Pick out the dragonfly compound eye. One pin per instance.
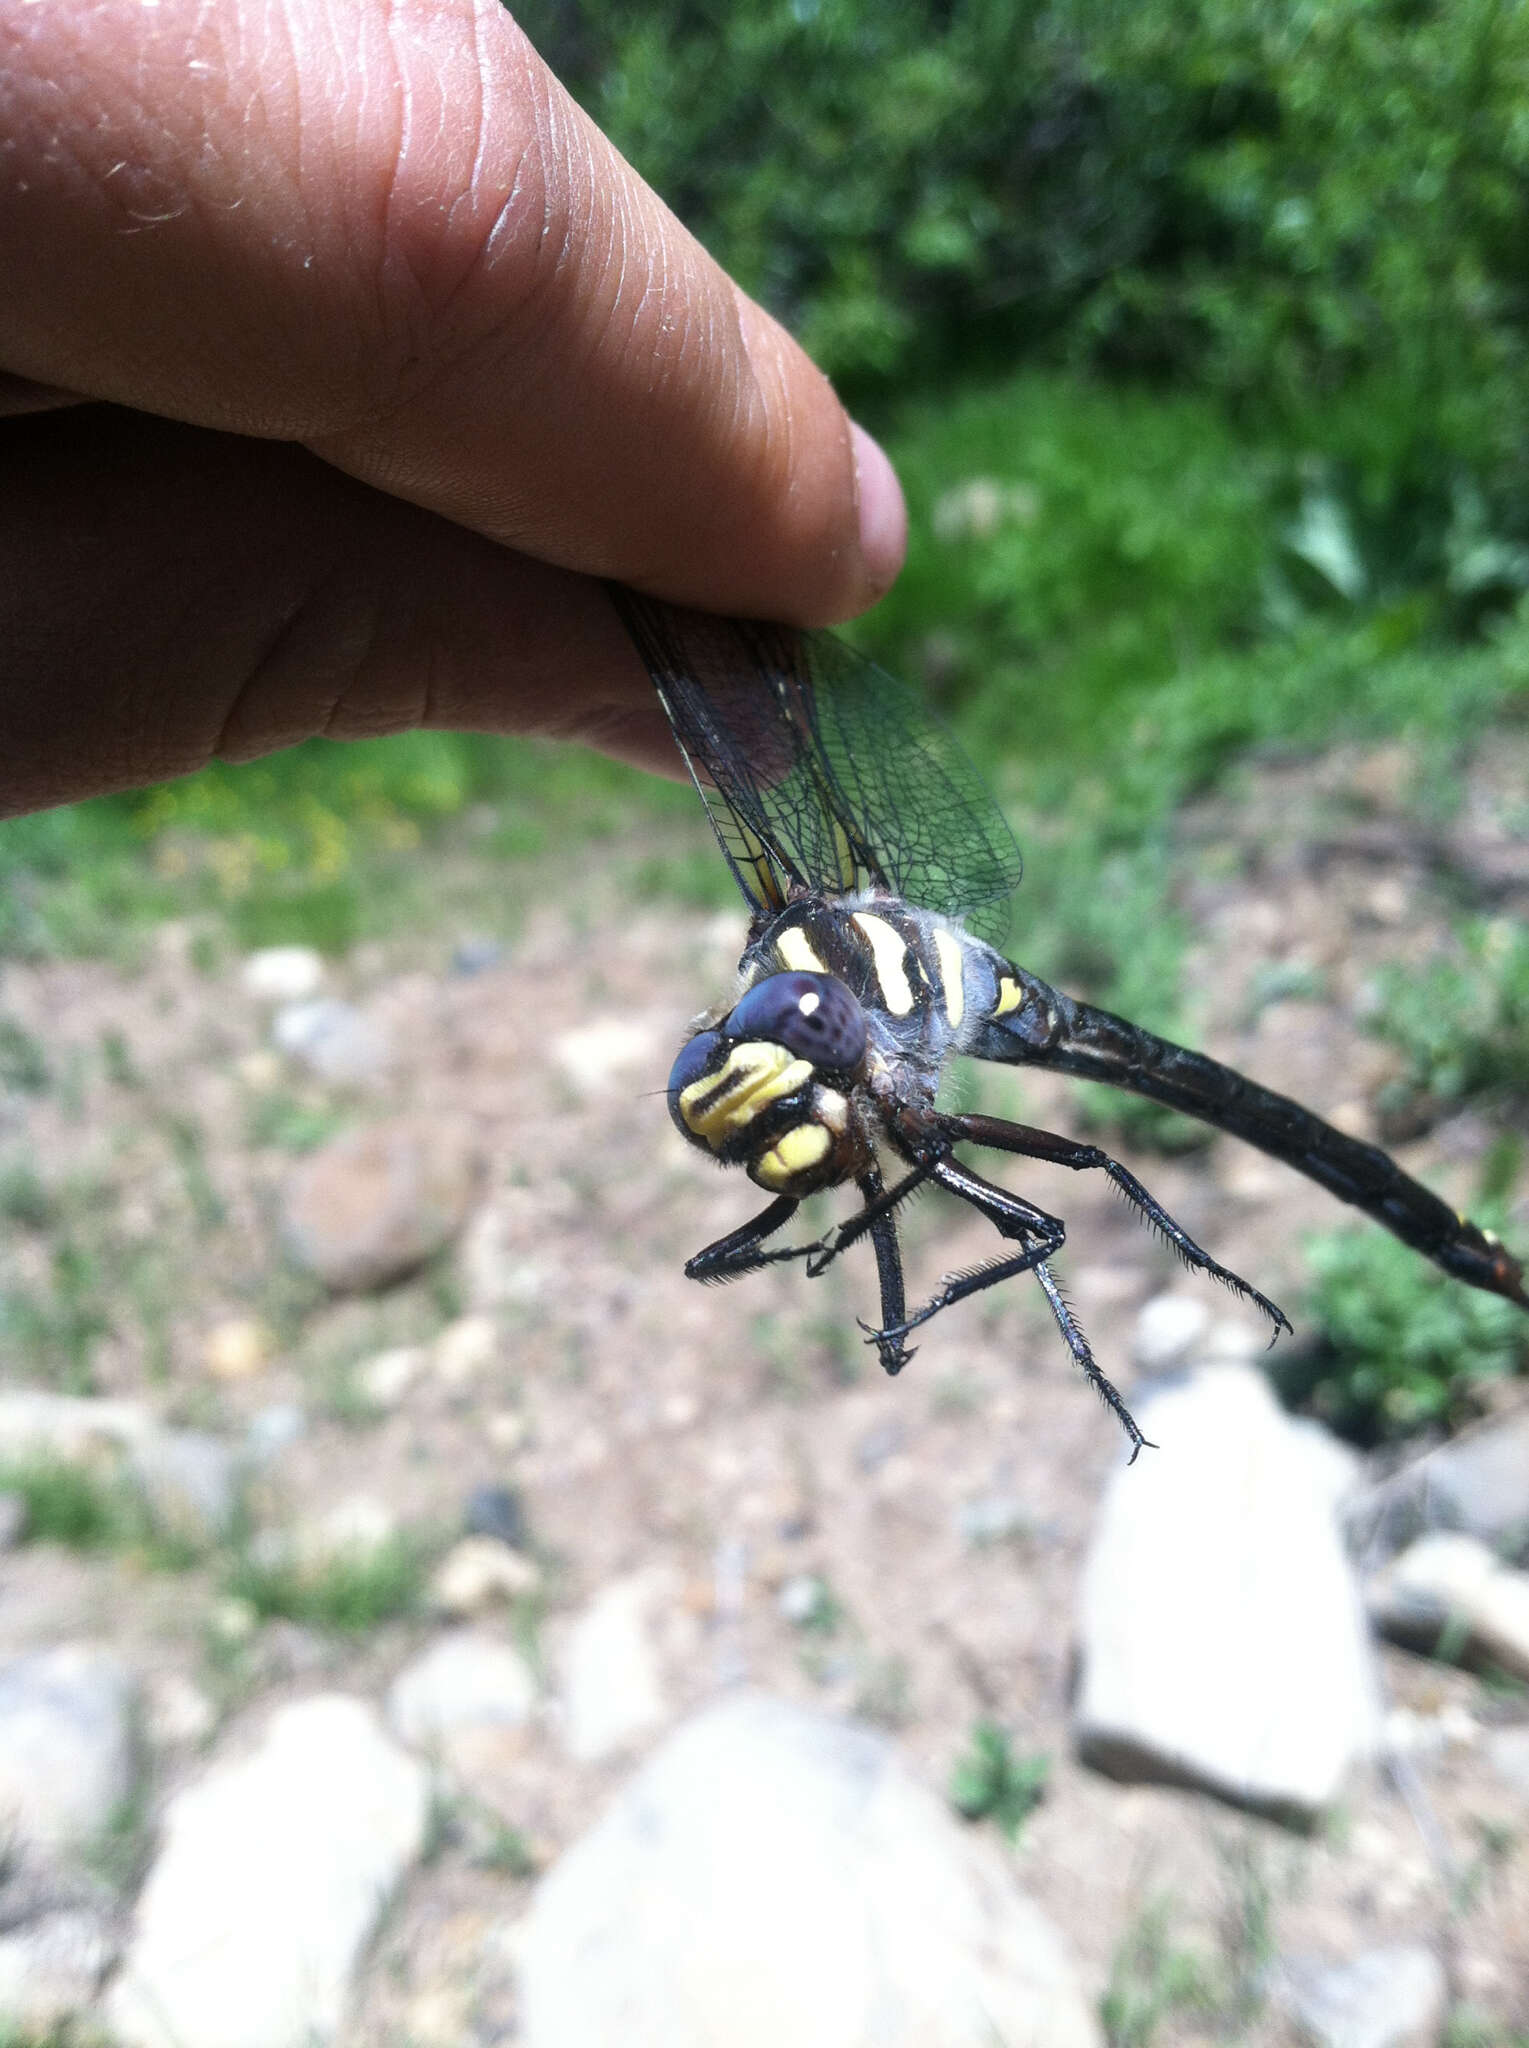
(811, 1015)
(695, 1057)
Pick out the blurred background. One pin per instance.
(344, 1341)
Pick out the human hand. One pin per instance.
(393, 358)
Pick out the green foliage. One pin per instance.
(352, 1591)
(1071, 544)
(287, 1122)
(119, 1854)
(1151, 1981)
(1313, 212)
(23, 1063)
(69, 1502)
(54, 1324)
(24, 1197)
(991, 1783)
(1463, 1021)
(87, 1507)
(1402, 1346)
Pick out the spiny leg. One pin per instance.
(1031, 1143)
(1077, 1344)
(880, 1201)
(1015, 1218)
(739, 1252)
(1012, 1216)
(879, 1221)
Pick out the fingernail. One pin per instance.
(883, 516)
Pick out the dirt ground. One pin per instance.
(730, 1440)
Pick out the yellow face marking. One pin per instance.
(794, 1153)
(798, 952)
(1010, 995)
(719, 1106)
(888, 951)
(948, 953)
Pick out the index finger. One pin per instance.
(389, 234)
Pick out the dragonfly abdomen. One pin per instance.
(1053, 1030)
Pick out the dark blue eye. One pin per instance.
(695, 1056)
(811, 1015)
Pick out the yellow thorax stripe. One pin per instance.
(888, 950)
(953, 975)
(798, 952)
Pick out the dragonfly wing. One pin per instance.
(818, 770)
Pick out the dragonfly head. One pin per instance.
(768, 1087)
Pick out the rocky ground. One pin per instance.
(540, 1502)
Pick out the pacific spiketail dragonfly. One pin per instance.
(873, 860)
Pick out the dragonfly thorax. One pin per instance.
(770, 1087)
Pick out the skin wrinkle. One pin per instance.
(621, 426)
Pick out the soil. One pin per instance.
(730, 1440)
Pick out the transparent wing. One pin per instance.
(820, 771)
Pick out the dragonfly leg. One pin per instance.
(1059, 1151)
(1077, 1344)
(1015, 1218)
(879, 1203)
(740, 1251)
(879, 1221)
(1012, 1216)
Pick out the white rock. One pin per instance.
(1334, 1468)
(271, 1876)
(387, 1377)
(273, 1430)
(66, 1753)
(335, 1041)
(464, 1349)
(1233, 1340)
(611, 1688)
(69, 1425)
(13, 1520)
(1167, 1329)
(355, 1527)
(282, 974)
(770, 1877)
(1508, 1754)
(465, 1681)
(481, 1572)
(50, 1968)
(1448, 1594)
(190, 1480)
(1478, 1483)
(176, 1713)
(1223, 1639)
(1388, 1998)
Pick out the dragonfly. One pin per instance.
(877, 870)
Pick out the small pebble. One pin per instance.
(282, 974)
(236, 1349)
(496, 1511)
(506, 1429)
(992, 1519)
(464, 1349)
(480, 1572)
(385, 1379)
(802, 1598)
(272, 1429)
(475, 956)
(176, 1712)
